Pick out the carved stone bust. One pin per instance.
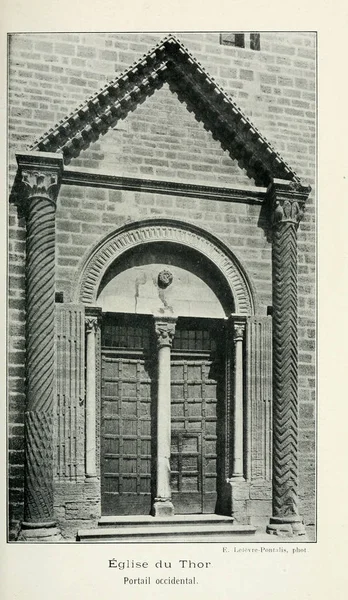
(165, 278)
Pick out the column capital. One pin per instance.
(238, 330)
(40, 175)
(287, 201)
(93, 316)
(165, 330)
(91, 323)
(237, 325)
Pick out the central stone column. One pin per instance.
(165, 330)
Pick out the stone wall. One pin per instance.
(51, 74)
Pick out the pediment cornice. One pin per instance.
(169, 61)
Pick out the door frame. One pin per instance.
(223, 462)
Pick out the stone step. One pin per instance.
(142, 520)
(169, 530)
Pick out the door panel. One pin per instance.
(194, 436)
(125, 436)
(186, 471)
(128, 415)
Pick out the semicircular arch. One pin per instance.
(134, 234)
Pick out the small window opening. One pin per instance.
(255, 41)
(241, 40)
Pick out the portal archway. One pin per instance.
(171, 231)
(169, 383)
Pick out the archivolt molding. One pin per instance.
(144, 232)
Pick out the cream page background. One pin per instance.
(81, 571)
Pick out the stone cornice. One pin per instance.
(91, 178)
(170, 61)
(40, 175)
(287, 201)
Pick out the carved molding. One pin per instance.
(165, 331)
(259, 397)
(70, 392)
(96, 178)
(169, 61)
(167, 231)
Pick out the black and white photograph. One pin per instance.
(174, 300)
(162, 287)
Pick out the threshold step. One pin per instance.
(170, 532)
(141, 520)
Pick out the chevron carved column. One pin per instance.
(287, 204)
(40, 175)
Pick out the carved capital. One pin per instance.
(165, 331)
(287, 201)
(238, 331)
(39, 176)
(40, 183)
(91, 323)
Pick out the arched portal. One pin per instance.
(169, 297)
(209, 250)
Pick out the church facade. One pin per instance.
(161, 286)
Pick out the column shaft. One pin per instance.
(40, 177)
(163, 424)
(162, 505)
(287, 200)
(91, 444)
(285, 417)
(40, 291)
(238, 418)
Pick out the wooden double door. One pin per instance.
(128, 414)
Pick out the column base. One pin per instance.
(40, 532)
(291, 526)
(91, 478)
(162, 507)
(240, 499)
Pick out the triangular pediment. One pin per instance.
(170, 61)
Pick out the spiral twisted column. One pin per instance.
(287, 200)
(40, 179)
